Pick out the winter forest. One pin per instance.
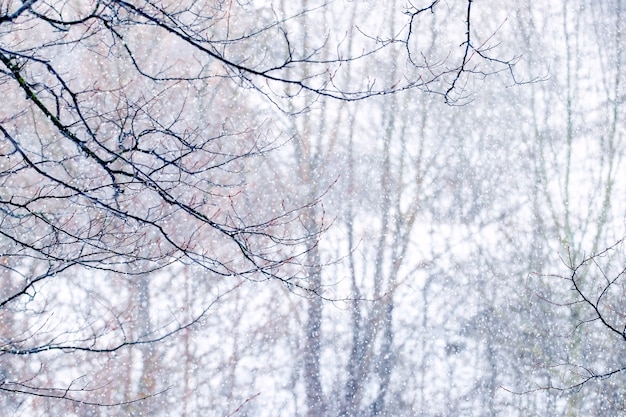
(312, 208)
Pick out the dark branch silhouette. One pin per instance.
(115, 160)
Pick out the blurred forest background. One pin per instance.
(273, 208)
